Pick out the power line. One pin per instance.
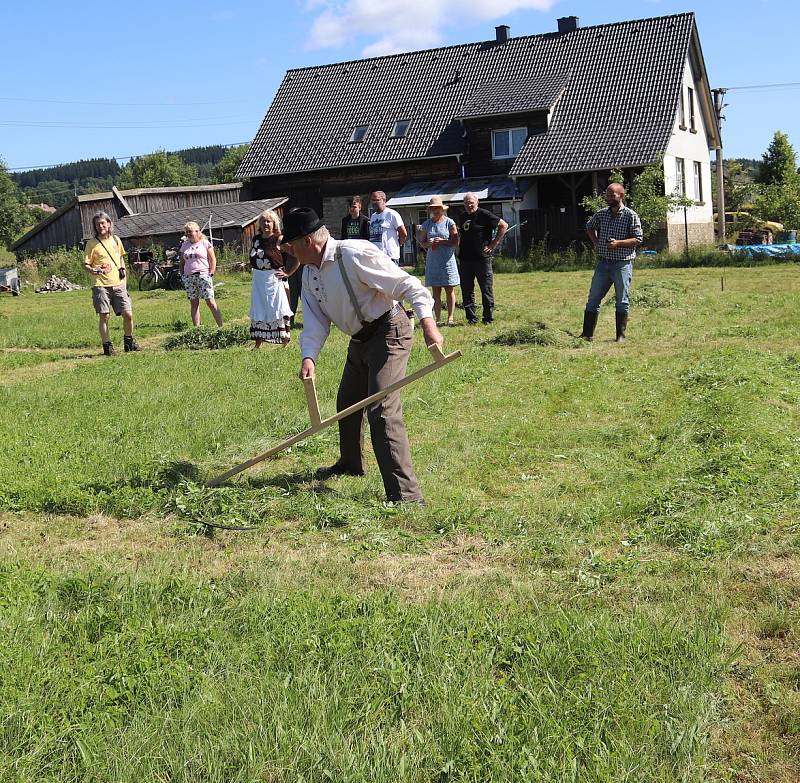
(113, 157)
(118, 124)
(763, 86)
(116, 103)
(108, 126)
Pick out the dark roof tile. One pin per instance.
(616, 106)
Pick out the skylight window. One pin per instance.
(358, 133)
(400, 129)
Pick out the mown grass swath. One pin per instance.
(604, 585)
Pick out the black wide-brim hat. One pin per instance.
(300, 222)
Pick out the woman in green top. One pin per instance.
(104, 260)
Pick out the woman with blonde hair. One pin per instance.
(270, 313)
(197, 266)
(439, 236)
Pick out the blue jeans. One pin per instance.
(608, 273)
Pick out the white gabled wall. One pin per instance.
(692, 147)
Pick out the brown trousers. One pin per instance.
(370, 367)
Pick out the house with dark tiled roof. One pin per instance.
(531, 124)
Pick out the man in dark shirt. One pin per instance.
(475, 228)
(354, 224)
(615, 232)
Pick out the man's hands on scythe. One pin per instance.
(430, 331)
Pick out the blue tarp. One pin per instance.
(774, 251)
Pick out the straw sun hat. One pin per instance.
(436, 201)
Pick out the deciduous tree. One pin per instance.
(225, 170)
(157, 170)
(14, 212)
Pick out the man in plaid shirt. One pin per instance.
(615, 232)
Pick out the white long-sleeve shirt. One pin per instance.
(377, 284)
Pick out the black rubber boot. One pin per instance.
(130, 344)
(622, 325)
(589, 324)
(108, 350)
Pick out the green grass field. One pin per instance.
(604, 585)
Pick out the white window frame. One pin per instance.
(680, 176)
(510, 136)
(395, 134)
(353, 139)
(697, 168)
(682, 121)
(692, 124)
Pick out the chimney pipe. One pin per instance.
(501, 33)
(567, 24)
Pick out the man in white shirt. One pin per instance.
(386, 229)
(379, 347)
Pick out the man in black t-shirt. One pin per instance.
(354, 224)
(475, 228)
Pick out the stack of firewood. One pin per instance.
(54, 284)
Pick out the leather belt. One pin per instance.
(368, 331)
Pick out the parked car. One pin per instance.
(744, 220)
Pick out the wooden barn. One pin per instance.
(228, 224)
(148, 215)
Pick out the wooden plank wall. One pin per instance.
(164, 202)
(88, 209)
(66, 231)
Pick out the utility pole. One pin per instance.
(719, 97)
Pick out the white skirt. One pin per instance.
(268, 301)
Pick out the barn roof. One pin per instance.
(612, 92)
(236, 214)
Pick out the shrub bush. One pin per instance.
(60, 261)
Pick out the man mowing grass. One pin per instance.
(356, 286)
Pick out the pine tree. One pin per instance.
(780, 184)
(779, 164)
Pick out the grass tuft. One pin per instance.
(537, 333)
(198, 338)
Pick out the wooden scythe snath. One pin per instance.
(318, 424)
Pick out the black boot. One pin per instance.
(130, 344)
(589, 324)
(622, 325)
(108, 350)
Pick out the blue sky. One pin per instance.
(178, 74)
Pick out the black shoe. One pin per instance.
(108, 350)
(130, 344)
(488, 323)
(336, 470)
(589, 324)
(473, 323)
(622, 325)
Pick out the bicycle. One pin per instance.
(160, 275)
